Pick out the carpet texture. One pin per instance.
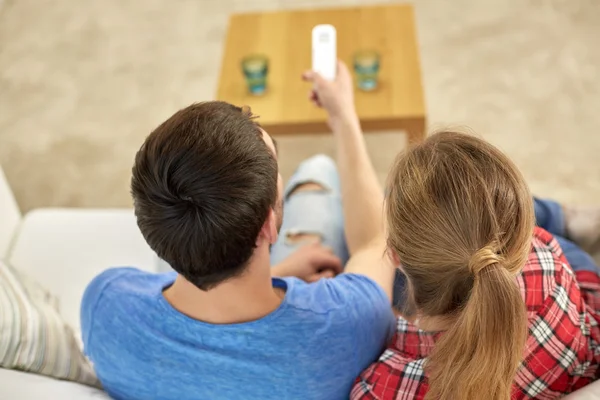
(83, 82)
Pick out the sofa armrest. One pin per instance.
(64, 249)
(10, 216)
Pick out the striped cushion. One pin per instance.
(33, 336)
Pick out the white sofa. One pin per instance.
(64, 249)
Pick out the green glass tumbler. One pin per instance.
(366, 67)
(256, 68)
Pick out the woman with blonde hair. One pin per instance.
(491, 308)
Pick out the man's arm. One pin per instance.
(362, 194)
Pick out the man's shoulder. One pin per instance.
(118, 291)
(122, 279)
(336, 294)
(119, 284)
(112, 274)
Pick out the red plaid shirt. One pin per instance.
(563, 351)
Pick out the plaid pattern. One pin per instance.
(563, 349)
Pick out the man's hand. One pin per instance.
(310, 263)
(336, 97)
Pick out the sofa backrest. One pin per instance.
(10, 215)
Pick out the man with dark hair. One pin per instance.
(225, 324)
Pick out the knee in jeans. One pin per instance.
(307, 187)
(296, 237)
(322, 161)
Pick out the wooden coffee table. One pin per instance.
(285, 38)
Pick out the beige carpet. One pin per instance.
(83, 82)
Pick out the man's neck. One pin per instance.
(248, 297)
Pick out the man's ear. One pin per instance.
(268, 231)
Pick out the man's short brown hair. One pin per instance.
(203, 184)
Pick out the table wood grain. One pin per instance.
(285, 38)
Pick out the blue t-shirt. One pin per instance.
(312, 347)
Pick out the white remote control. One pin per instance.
(324, 51)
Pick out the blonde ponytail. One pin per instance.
(477, 358)
(460, 219)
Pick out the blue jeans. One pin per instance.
(549, 215)
(317, 213)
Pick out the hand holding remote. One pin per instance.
(336, 97)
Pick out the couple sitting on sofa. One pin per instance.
(490, 305)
